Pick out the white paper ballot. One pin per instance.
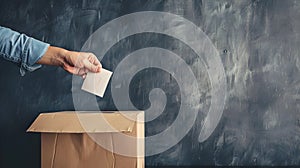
(96, 83)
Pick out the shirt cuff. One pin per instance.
(33, 51)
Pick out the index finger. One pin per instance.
(94, 60)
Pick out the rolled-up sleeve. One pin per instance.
(21, 49)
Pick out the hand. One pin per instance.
(80, 63)
(77, 63)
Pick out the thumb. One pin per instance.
(91, 67)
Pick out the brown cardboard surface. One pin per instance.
(65, 144)
(76, 151)
(83, 122)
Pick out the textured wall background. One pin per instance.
(258, 41)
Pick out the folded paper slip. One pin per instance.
(96, 83)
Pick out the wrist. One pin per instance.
(54, 56)
(60, 55)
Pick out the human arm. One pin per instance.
(78, 63)
(29, 53)
(21, 49)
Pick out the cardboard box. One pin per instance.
(91, 139)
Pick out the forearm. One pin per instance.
(21, 49)
(29, 53)
(54, 56)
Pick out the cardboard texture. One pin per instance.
(69, 139)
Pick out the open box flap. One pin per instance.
(84, 122)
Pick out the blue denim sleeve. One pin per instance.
(21, 49)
